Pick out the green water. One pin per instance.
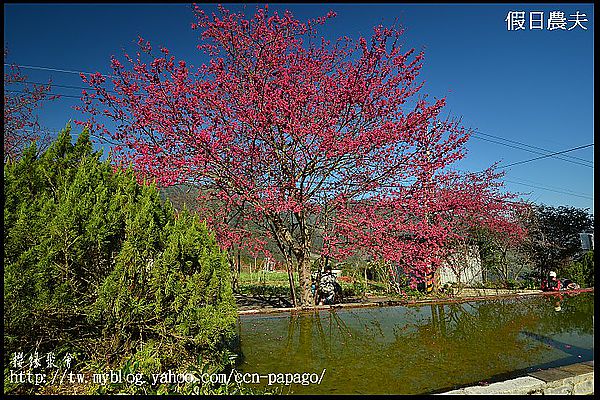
(419, 349)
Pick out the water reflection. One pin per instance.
(419, 349)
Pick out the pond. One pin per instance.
(419, 349)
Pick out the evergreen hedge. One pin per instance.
(97, 265)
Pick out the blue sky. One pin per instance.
(521, 88)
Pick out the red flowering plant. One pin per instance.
(21, 100)
(298, 138)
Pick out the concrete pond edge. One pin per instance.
(574, 379)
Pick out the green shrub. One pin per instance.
(580, 271)
(97, 264)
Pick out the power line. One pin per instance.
(571, 159)
(527, 145)
(537, 186)
(62, 86)
(52, 84)
(66, 71)
(585, 163)
(548, 186)
(551, 190)
(546, 156)
(55, 94)
(570, 193)
(503, 166)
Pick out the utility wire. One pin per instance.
(523, 180)
(571, 159)
(538, 186)
(476, 132)
(526, 145)
(565, 192)
(546, 156)
(551, 190)
(51, 84)
(66, 71)
(55, 94)
(583, 162)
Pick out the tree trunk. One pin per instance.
(233, 270)
(442, 319)
(436, 280)
(290, 271)
(306, 297)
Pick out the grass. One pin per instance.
(268, 284)
(277, 278)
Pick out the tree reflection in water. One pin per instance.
(420, 349)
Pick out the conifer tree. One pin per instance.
(96, 262)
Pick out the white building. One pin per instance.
(587, 241)
(467, 269)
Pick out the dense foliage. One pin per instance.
(553, 243)
(554, 235)
(97, 265)
(581, 270)
(296, 139)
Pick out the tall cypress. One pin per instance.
(97, 263)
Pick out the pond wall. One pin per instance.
(570, 380)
